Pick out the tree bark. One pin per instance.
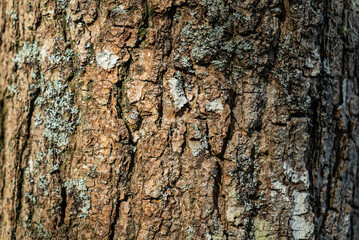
(179, 119)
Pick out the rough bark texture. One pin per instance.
(179, 119)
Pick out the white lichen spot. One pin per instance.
(300, 202)
(118, 10)
(207, 235)
(305, 179)
(279, 186)
(134, 115)
(107, 59)
(177, 92)
(62, 5)
(295, 178)
(43, 53)
(309, 63)
(214, 106)
(288, 170)
(31, 165)
(301, 227)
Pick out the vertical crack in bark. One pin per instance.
(63, 206)
(232, 125)
(19, 174)
(116, 215)
(317, 123)
(121, 95)
(337, 149)
(252, 197)
(314, 156)
(217, 188)
(3, 27)
(2, 145)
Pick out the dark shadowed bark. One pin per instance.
(179, 119)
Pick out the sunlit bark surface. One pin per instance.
(179, 119)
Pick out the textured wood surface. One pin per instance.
(179, 119)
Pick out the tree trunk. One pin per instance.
(179, 119)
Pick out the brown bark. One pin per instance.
(179, 119)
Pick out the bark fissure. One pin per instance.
(20, 161)
(63, 206)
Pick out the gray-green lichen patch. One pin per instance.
(12, 14)
(218, 233)
(75, 184)
(30, 197)
(38, 120)
(206, 41)
(62, 5)
(262, 229)
(82, 195)
(234, 212)
(92, 173)
(210, 41)
(43, 184)
(214, 106)
(177, 92)
(27, 222)
(28, 54)
(185, 61)
(216, 9)
(191, 231)
(59, 119)
(107, 59)
(41, 233)
(200, 146)
(12, 90)
(58, 113)
(57, 57)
